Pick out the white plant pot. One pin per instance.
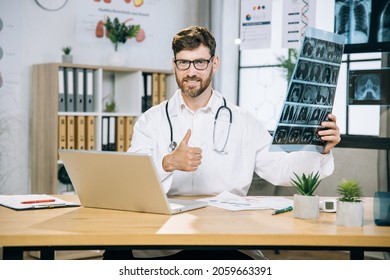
(350, 214)
(116, 58)
(67, 58)
(306, 207)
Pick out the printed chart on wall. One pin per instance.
(255, 31)
(311, 92)
(91, 16)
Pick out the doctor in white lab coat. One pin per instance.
(203, 145)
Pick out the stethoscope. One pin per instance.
(172, 145)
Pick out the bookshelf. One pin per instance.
(124, 86)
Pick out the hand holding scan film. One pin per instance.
(306, 122)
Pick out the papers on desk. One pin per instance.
(34, 201)
(232, 202)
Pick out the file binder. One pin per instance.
(61, 132)
(70, 127)
(89, 90)
(111, 133)
(105, 134)
(69, 89)
(80, 133)
(61, 90)
(162, 87)
(129, 125)
(90, 132)
(155, 89)
(147, 98)
(120, 134)
(79, 89)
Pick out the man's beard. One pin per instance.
(194, 91)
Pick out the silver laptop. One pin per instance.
(120, 181)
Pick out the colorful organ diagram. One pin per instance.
(137, 3)
(100, 31)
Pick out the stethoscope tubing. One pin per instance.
(172, 145)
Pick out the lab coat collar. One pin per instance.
(176, 103)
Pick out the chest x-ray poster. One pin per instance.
(364, 23)
(311, 92)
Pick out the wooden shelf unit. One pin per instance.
(125, 84)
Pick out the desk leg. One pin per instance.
(12, 253)
(47, 254)
(356, 254)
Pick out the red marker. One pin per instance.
(37, 201)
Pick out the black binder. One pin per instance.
(105, 134)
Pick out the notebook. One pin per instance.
(34, 201)
(120, 181)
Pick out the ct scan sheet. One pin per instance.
(311, 92)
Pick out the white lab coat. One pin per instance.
(247, 150)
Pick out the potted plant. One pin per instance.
(67, 57)
(306, 204)
(289, 62)
(350, 206)
(119, 32)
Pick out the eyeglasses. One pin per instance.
(199, 64)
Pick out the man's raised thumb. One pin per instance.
(186, 137)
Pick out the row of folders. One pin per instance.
(155, 89)
(117, 133)
(78, 132)
(75, 89)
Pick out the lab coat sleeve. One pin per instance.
(145, 140)
(278, 167)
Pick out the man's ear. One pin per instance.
(216, 63)
(173, 64)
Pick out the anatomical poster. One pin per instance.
(311, 92)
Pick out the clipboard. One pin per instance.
(34, 201)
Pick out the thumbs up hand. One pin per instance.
(184, 158)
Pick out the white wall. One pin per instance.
(225, 27)
(40, 38)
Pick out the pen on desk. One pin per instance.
(282, 210)
(37, 201)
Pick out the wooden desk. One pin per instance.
(88, 228)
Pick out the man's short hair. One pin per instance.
(191, 38)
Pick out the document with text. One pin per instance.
(232, 202)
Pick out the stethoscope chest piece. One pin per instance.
(172, 146)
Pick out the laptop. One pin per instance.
(120, 181)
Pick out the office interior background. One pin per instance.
(31, 35)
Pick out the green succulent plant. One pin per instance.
(119, 32)
(350, 191)
(306, 184)
(66, 50)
